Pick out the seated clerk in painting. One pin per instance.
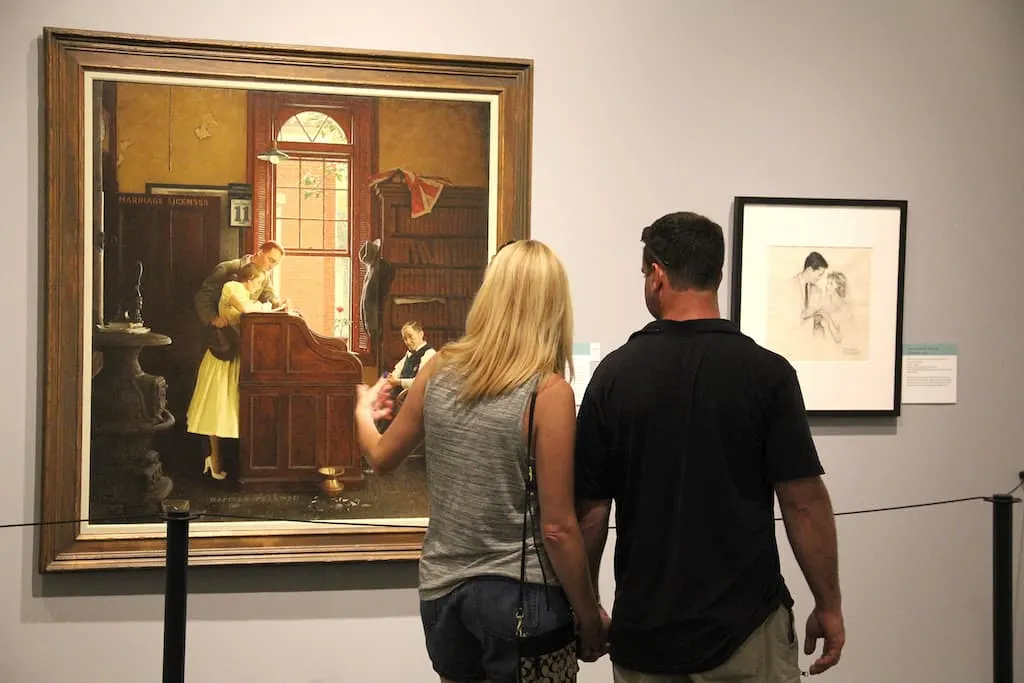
(213, 410)
(207, 299)
(419, 353)
(470, 405)
(405, 370)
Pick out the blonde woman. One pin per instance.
(470, 405)
(213, 410)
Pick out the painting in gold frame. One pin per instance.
(388, 179)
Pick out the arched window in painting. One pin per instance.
(312, 126)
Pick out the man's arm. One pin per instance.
(793, 466)
(394, 378)
(594, 516)
(595, 474)
(810, 527)
(268, 294)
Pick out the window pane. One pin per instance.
(312, 205)
(330, 132)
(312, 188)
(287, 173)
(312, 126)
(337, 232)
(287, 233)
(288, 202)
(342, 298)
(338, 207)
(311, 234)
(338, 170)
(318, 286)
(292, 130)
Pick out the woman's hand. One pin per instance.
(374, 401)
(593, 637)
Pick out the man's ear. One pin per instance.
(659, 276)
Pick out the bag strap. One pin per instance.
(530, 483)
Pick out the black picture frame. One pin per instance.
(845, 340)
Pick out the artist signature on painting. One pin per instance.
(259, 498)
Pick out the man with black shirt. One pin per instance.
(690, 428)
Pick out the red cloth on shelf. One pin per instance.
(424, 190)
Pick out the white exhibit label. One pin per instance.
(585, 358)
(929, 373)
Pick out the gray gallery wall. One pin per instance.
(641, 108)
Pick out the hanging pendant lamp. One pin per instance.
(273, 155)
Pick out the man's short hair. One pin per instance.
(413, 325)
(271, 244)
(690, 247)
(815, 261)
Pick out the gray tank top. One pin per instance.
(476, 467)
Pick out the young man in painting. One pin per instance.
(207, 298)
(691, 427)
(807, 283)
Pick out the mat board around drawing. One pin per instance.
(820, 282)
(388, 179)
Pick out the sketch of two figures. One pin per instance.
(819, 303)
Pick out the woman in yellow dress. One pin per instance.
(213, 410)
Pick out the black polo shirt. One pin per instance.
(686, 427)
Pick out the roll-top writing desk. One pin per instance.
(297, 393)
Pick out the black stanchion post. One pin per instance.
(1002, 587)
(176, 592)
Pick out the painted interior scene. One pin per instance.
(257, 255)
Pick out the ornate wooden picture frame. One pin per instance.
(387, 179)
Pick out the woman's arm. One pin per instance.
(242, 304)
(833, 327)
(386, 451)
(555, 429)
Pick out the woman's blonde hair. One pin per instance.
(520, 323)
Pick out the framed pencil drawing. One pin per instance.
(820, 281)
(366, 190)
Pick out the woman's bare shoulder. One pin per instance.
(553, 387)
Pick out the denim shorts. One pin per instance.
(471, 632)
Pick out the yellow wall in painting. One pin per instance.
(435, 137)
(207, 137)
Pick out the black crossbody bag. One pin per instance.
(548, 657)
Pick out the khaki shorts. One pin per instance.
(769, 655)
